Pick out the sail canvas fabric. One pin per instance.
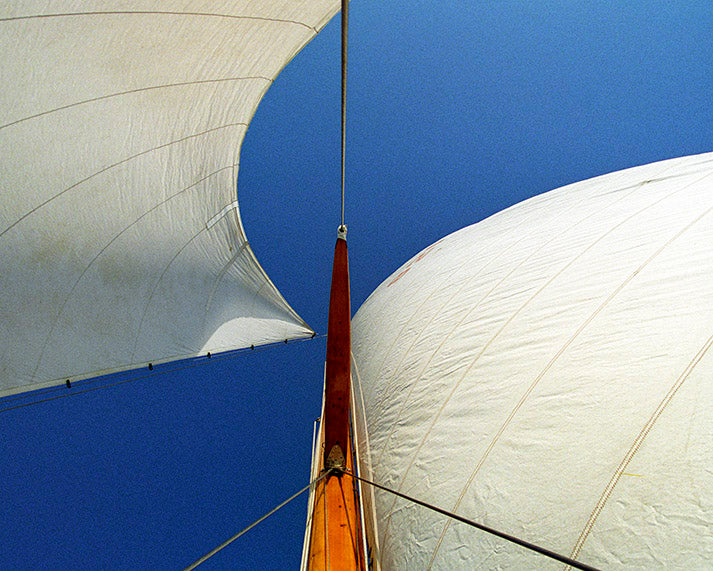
(547, 372)
(120, 130)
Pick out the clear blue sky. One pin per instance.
(456, 111)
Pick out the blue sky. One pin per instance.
(456, 111)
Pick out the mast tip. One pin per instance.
(342, 232)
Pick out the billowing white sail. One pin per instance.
(548, 372)
(120, 129)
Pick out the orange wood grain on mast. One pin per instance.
(335, 537)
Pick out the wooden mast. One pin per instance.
(335, 535)
(335, 540)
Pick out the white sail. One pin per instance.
(547, 372)
(120, 129)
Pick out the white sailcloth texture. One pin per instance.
(548, 372)
(120, 130)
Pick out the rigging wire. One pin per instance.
(227, 542)
(345, 27)
(195, 362)
(526, 544)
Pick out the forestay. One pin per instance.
(547, 372)
(120, 129)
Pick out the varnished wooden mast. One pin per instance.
(335, 535)
(335, 540)
(338, 369)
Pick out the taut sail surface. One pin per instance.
(120, 130)
(547, 372)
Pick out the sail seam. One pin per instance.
(436, 314)
(219, 278)
(119, 163)
(445, 305)
(567, 344)
(246, 248)
(509, 320)
(637, 444)
(620, 175)
(466, 284)
(137, 90)
(158, 13)
(452, 331)
(106, 246)
(364, 465)
(233, 205)
(454, 516)
(155, 287)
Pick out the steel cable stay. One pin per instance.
(480, 526)
(188, 364)
(521, 542)
(243, 531)
(345, 29)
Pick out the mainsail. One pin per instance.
(547, 372)
(120, 130)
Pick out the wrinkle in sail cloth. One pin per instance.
(120, 133)
(547, 371)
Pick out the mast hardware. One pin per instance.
(336, 459)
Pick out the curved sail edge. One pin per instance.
(546, 372)
(120, 130)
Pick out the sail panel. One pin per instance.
(120, 132)
(546, 372)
